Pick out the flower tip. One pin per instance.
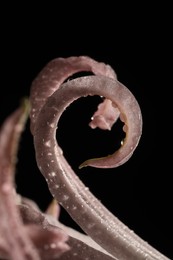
(84, 164)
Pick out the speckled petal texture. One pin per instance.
(50, 96)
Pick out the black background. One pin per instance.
(136, 43)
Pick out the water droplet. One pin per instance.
(53, 245)
(65, 197)
(48, 143)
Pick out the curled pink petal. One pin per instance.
(95, 220)
(55, 73)
(14, 242)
